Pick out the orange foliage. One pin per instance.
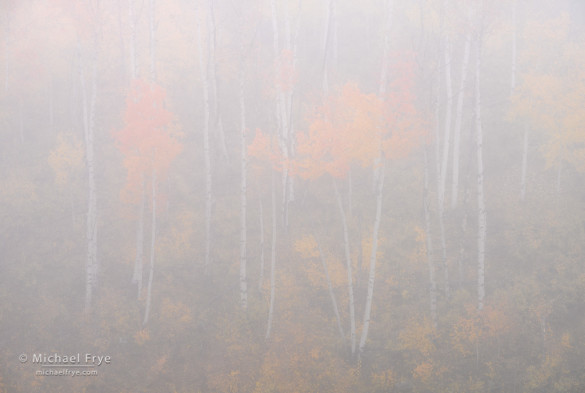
(149, 140)
(353, 127)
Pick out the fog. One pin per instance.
(292, 196)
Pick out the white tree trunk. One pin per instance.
(215, 114)
(139, 261)
(326, 39)
(261, 279)
(458, 121)
(282, 114)
(383, 81)
(514, 45)
(331, 293)
(482, 221)
(429, 244)
(349, 271)
(152, 29)
(152, 249)
(272, 261)
(447, 135)
(203, 66)
(372, 273)
(132, 45)
(243, 198)
(524, 165)
(559, 172)
(89, 101)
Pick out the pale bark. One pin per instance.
(326, 39)
(383, 81)
(272, 262)
(21, 120)
(139, 261)
(379, 171)
(282, 115)
(51, 101)
(152, 249)
(261, 279)
(331, 293)
(458, 121)
(89, 99)
(514, 46)
(444, 160)
(481, 211)
(152, 42)
(6, 44)
(132, 44)
(215, 114)
(372, 273)
(203, 67)
(447, 135)
(429, 244)
(463, 227)
(524, 165)
(243, 198)
(349, 271)
(559, 172)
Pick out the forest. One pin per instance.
(292, 196)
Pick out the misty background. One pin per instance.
(294, 196)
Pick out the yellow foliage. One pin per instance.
(141, 336)
(160, 363)
(175, 312)
(566, 341)
(307, 247)
(384, 380)
(423, 371)
(418, 336)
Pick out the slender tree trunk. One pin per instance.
(152, 30)
(137, 276)
(372, 273)
(349, 270)
(379, 166)
(215, 114)
(261, 279)
(203, 66)
(326, 40)
(243, 198)
(524, 165)
(447, 135)
(443, 161)
(6, 44)
(282, 115)
(462, 236)
(272, 261)
(132, 44)
(458, 121)
(152, 250)
(21, 119)
(514, 45)
(331, 293)
(139, 262)
(383, 81)
(89, 101)
(559, 172)
(51, 101)
(481, 211)
(429, 245)
(349, 193)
